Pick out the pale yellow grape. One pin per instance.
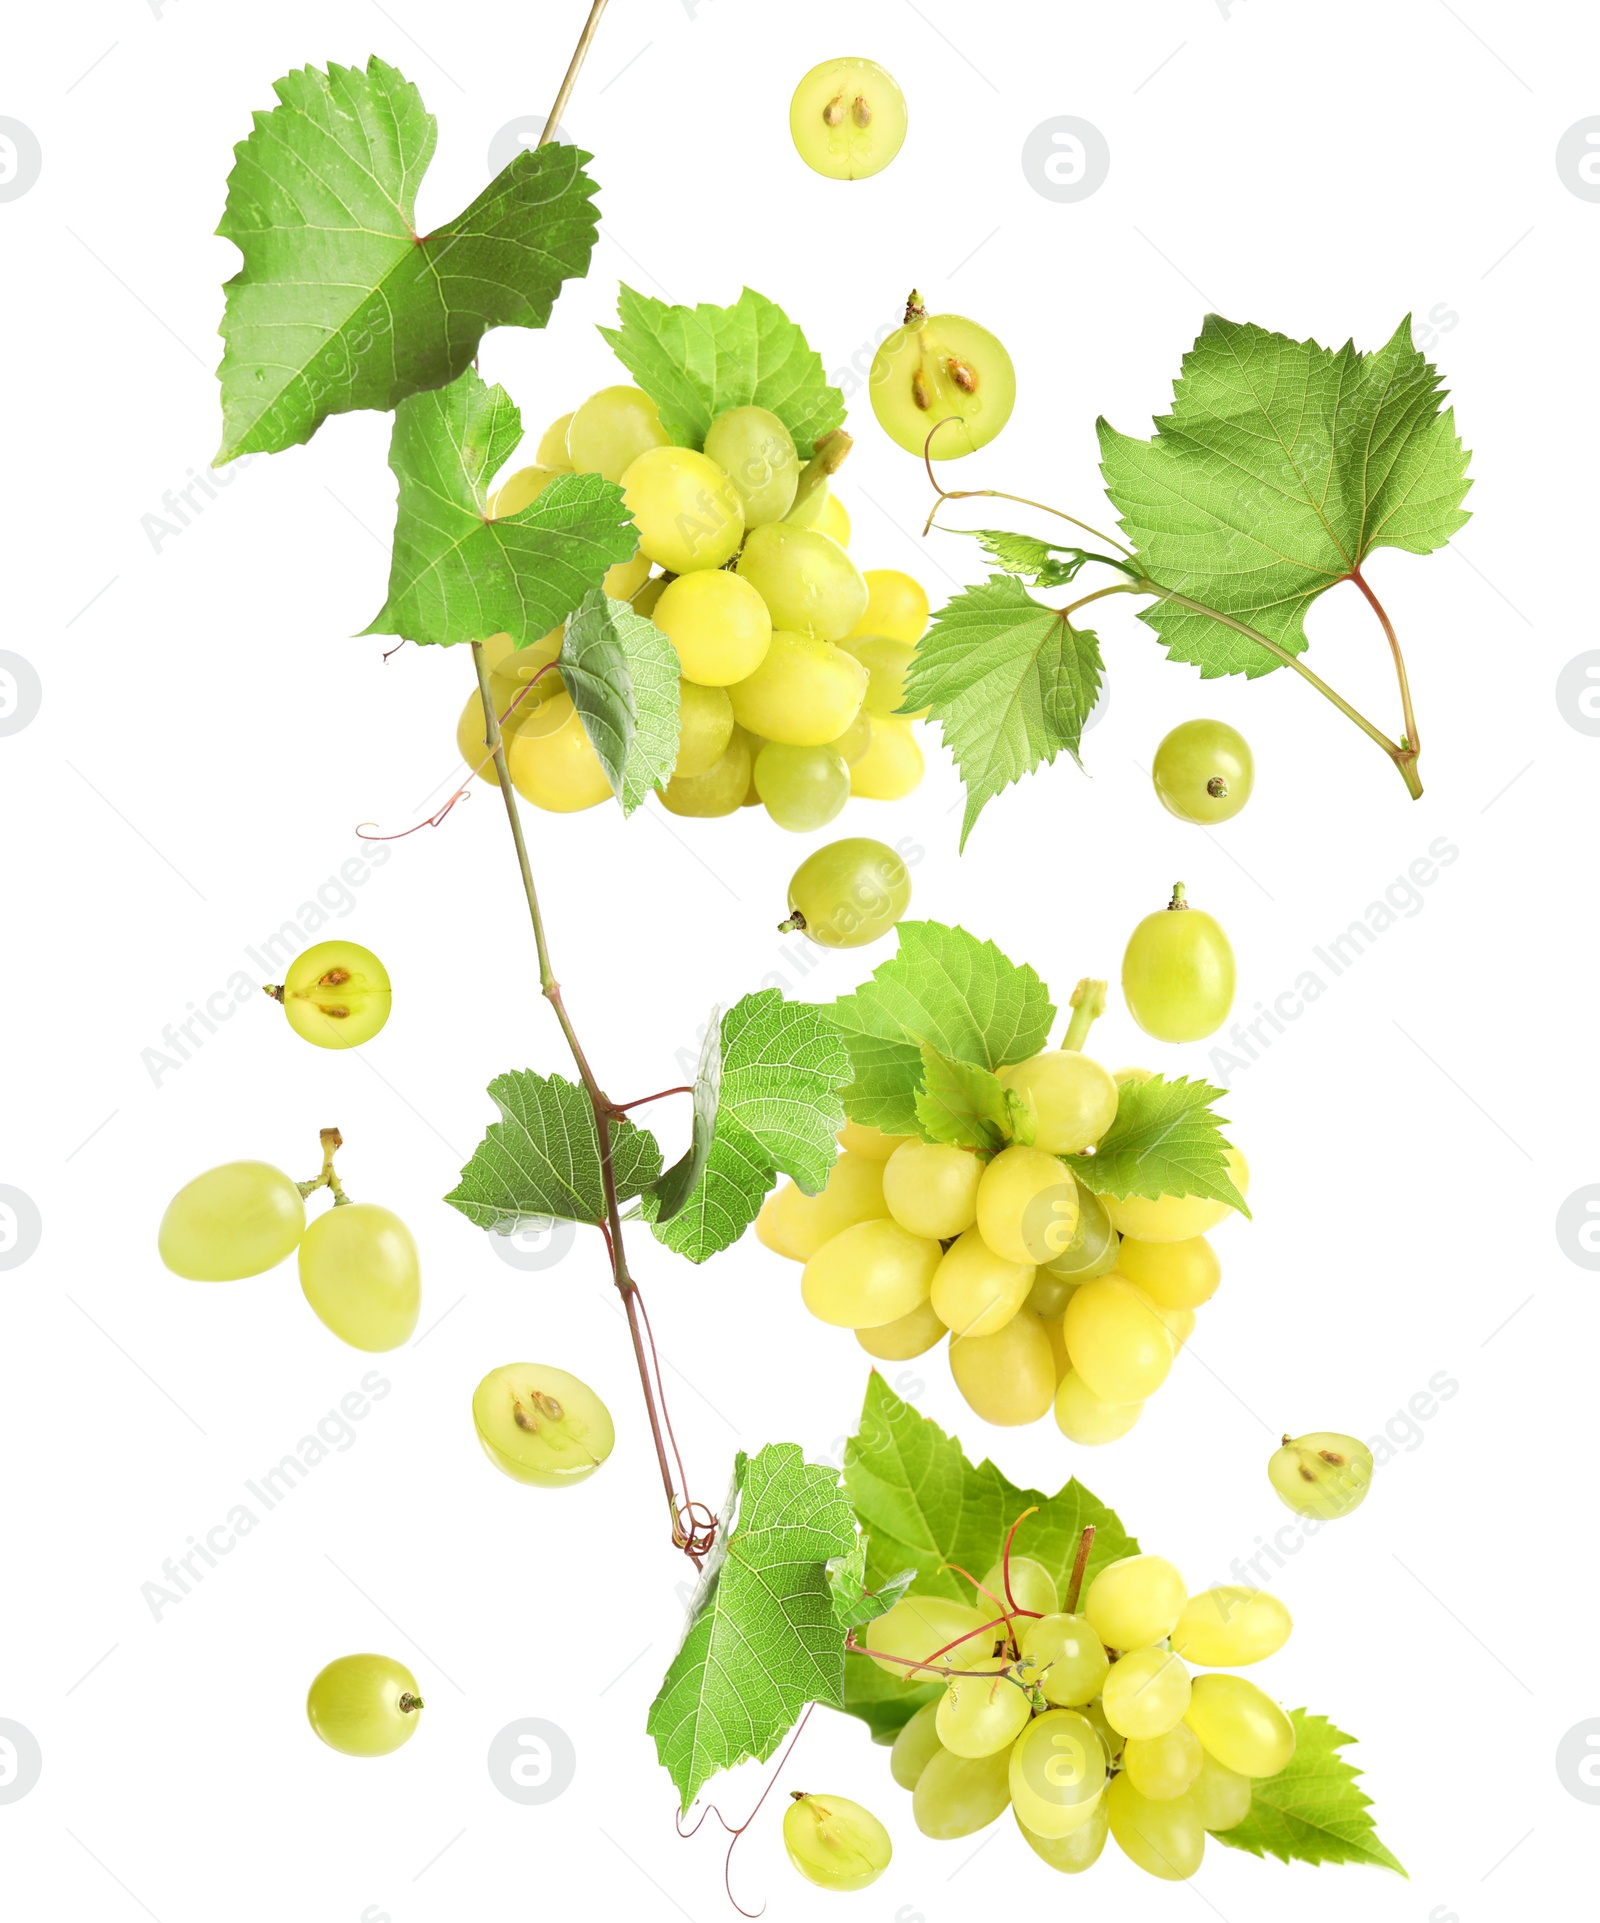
(856, 739)
(1146, 1692)
(520, 490)
(1032, 1587)
(1079, 1849)
(975, 1291)
(719, 791)
(861, 1138)
(897, 606)
(1058, 1342)
(1093, 1248)
(852, 1193)
(918, 1628)
(932, 1188)
(1064, 1655)
(1221, 1796)
(609, 432)
(1027, 1205)
(887, 663)
(869, 1274)
(515, 666)
(757, 453)
(980, 1714)
(1117, 1340)
(1180, 1324)
(1008, 1378)
(364, 1705)
(834, 519)
(359, 1270)
(804, 691)
(1057, 1772)
(835, 1843)
(553, 763)
(1050, 1294)
(1164, 1839)
(471, 740)
(705, 726)
(1175, 1275)
(809, 583)
(1177, 1218)
(552, 449)
(803, 788)
(847, 118)
(960, 1795)
(906, 1336)
(687, 511)
(1164, 1766)
(624, 579)
(1088, 1419)
(1135, 1600)
(1241, 1725)
(1230, 1626)
(541, 1425)
(809, 504)
(645, 599)
(767, 1229)
(892, 764)
(718, 626)
(239, 1219)
(916, 1746)
(1073, 1098)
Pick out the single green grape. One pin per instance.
(1176, 1218)
(1134, 1601)
(687, 511)
(810, 585)
(1008, 1377)
(916, 1746)
(856, 739)
(1086, 1418)
(1178, 972)
(1240, 1725)
(848, 893)
(892, 764)
(512, 666)
(835, 1843)
(611, 430)
(1064, 1655)
(975, 1291)
(239, 1219)
(1325, 1475)
(1027, 1205)
(1079, 1849)
(1204, 771)
(1050, 1294)
(705, 727)
(1164, 1766)
(1164, 1839)
(931, 1630)
(757, 453)
(541, 1425)
(336, 994)
(944, 375)
(1230, 1626)
(552, 449)
(914, 1333)
(897, 606)
(803, 788)
(1146, 1692)
(861, 1138)
(852, 1193)
(718, 626)
(869, 1274)
(1057, 1772)
(1117, 1340)
(519, 490)
(960, 1795)
(359, 1271)
(1092, 1250)
(980, 1714)
(847, 119)
(887, 663)
(833, 519)
(1074, 1099)
(553, 763)
(804, 692)
(931, 1188)
(364, 1705)
(1221, 1796)
(720, 790)
(1175, 1275)
(1032, 1587)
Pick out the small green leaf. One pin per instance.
(1166, 1140)
(1313, 1811)
(966, 1106)
(1010, 682)
(854, 1604)
(695, 362)
(674, 1188)
(622, 674)
(543, 1159)
(1031, 559)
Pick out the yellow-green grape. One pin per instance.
(1325, 1475)
(705, 726)
(623, 579)
(1058, 1342)
(364, 1705)
(1221, 1796)
(906, 1336)
(1064, 1655)
(975, 1291)
(1083, 1417)
(1027, 1205)
(510, 666)
(718, 625)
(541, 1425)
(359, 1271)
(887, 663)
(1164, 1839)
(1134, 1601)
(720, 790)
(804, 692)
(943, 374)
(932, 1188)
(553, 763)
(767, 1233)
(897, 606)
(1079, 1849)
(1050, 1294)
(833, 519)
(552, 449)
(1230, 1626)
(916, 1746)
(1117, 1340)
(916, 1630)
(848, 894)
(1146, 1692)
(1240, 1725)
(856, 739)
(336, 994)
(1165, 1766)
(852, 1193)
(520, 490)
(471, 734)
(1175, 1275)
(611, 430)
(803, 788)
(1203, 771)
(1177, 1218)
(1057, 1772)
(847, 119)
(1092, 1251)
(809, 504)
(1032, 1587)
(1180, 1324)
(869, 1274)
(960, 1795)
(861, 1138)
(757, 453)
(835, 1843)
(1008, 1378)
(809, 583)
(979, 1714)
(237, 1220)
(1178, 972)
(687, 511)
(645, 599)
(892, 764)
(1071, 1095)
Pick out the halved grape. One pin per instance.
(835, 1843)
(945, 375)
(1325, 1474)
(541, 1425)
(336, 994)
(847, 119)
(364, 1705)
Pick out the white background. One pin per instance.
(210, 738)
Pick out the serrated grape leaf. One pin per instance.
(783, 1064)
(456, 575)
(622, 674)
(1166, 1140)
(947, 989)
(1010, 683)
(762, 1642)
(966, 1107)
(1044, 563)
(1280, 468)
(543, 1158)
(672, 1189)
(340, 303)
(923, 1505)
(1313, 1811)
(854, 1603)
(695, 362)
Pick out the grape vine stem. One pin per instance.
(585, 40)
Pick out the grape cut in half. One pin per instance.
(847, 119)
(943, 375)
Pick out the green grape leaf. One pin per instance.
(1045, 563)
(694, 362)
(1280, 468)
(622, 674)
(457, 575)
(1166, 1140)
(340, 303)
(543, 1158)
(923, 1506)
(950, 991)
(1313, 1811)
(673, 1189)
(1010, 683)
(783, 1064)
(762, 1639)
(854, 1604)
(966, 1106)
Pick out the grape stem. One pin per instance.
(639, 1101)
(827, 458)
(332, 1141)
(570, 79)
(1088, 1003)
